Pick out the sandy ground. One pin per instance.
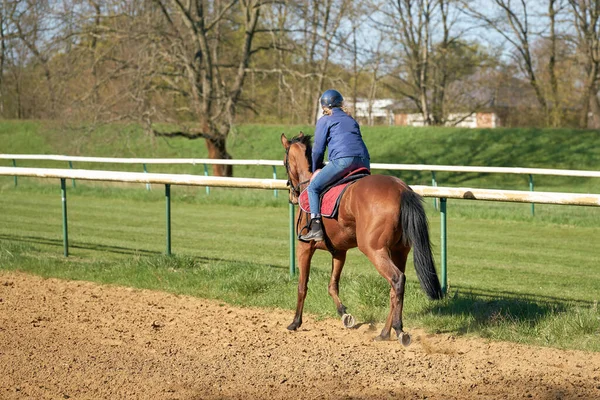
(79, 340)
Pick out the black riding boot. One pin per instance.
(315, 233)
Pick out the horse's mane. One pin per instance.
(306, 140)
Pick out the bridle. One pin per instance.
(296, 190)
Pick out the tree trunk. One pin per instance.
(587, 100)
(594, 121)
(555, 109)
(218, 151)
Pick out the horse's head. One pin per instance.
(298, 163)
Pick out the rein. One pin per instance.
(297, 189)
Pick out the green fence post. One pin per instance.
(168, 212)
(206, 174)
(444, 244)
(15, 165)
(434, 184)
(146, 171)
(274, 177)
(531, 189)
(292, 242)
(71, 167)
(63, 192)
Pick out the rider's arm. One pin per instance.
(318, 151)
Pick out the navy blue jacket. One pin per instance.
(340, 134)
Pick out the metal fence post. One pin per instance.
(168, 216)
(274, 177)
(292, 242)
(63, 192)
(531, 189)
(206, 174)
(146, 171)
(15, 165)
(434, 184)
(71, 167)
(443, 245)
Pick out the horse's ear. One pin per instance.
(300, 135)
(284, 141)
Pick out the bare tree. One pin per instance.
(28, 20)
(375, 65)
(195, 63)
(410, 24)
(426, 36)
(4, 10)
(513, 21)
(320, 23)
(586, 19)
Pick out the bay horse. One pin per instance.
(379, 214)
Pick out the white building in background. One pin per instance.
(376, 112)
(482, 119)
(392, 112)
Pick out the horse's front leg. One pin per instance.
(387, 328)
(337, 264)
(305, 252)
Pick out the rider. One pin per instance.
(337, 131)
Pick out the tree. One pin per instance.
(204, 50)
(428, 44)
(320, 26)
(586, 18)
(30, 27)
(514, 23)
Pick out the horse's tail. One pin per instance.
(415, 233)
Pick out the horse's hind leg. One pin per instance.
(391, 265)
(305, 253)
(399, 257)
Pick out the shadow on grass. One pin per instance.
(507, 294)
(78, 245)
(120, 250)
(479, 311)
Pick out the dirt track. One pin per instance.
(61, 339)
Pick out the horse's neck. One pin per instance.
(304, 175)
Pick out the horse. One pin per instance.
(379, 214)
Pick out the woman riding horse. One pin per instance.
(340, 134)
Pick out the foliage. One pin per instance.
(146, 61)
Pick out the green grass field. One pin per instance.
(512, 276)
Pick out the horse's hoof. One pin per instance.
(380, 338)
(293, 326)
(348, 320)
(404, 338)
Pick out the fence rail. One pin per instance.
(443, 193)
(279, 163)
(142, 177)
(531, 172)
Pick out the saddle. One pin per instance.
(330, 198)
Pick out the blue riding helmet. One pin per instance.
(331, 98)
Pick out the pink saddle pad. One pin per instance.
(330, 199)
